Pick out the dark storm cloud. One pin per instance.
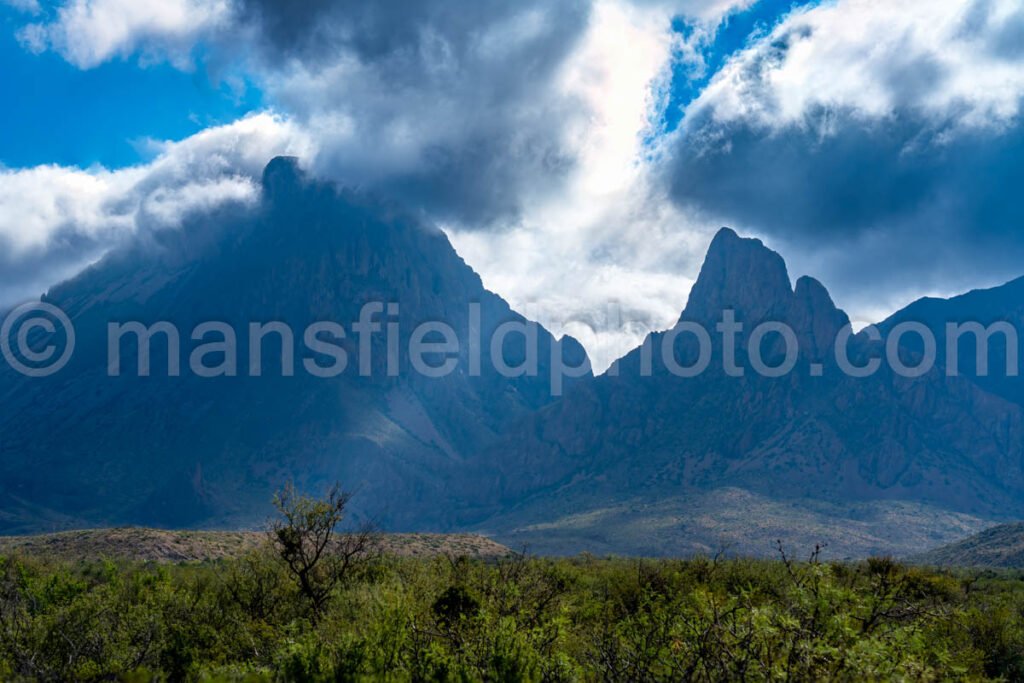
(452, 107)
(893, 207)
(471, 82)
(878, 192)
(865, 175)
(316, 30)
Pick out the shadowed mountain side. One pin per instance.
(648, 458)
(1000, 310)
(84, 448)
(938, 442)
(998, 547)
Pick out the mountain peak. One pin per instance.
(281, 173)
(816, 317)
(810, 289)
(723, 238)
(739, 273)
(743, 275)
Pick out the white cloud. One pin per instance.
(707, 12)
(532, 121)
(875, 143)
(876, 59)
(90, 32)
(55, 219)
(522, 130)
(608, 257)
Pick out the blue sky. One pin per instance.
(736, 32)
(60, 114)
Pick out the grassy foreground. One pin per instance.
(511, 619)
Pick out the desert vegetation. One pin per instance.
(314, 604)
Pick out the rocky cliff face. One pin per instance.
(84, 448)
(812, 434)
(742, 275)
(745, 277)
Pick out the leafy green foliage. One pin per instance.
(517, 619)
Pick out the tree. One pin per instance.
(307, 539)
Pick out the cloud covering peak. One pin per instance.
(54, 220)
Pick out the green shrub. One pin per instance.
(521, 619)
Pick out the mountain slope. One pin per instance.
(998, 547)
(812, 435)
(647, 458)
(990, 308)
(734, 521)
(82, 448)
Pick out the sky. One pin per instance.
(580, 154)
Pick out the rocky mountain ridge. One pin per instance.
(636, 460)
(814, 435)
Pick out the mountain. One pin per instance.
(672, 451)
(998, 547)
(997, 308)
(645, 461)
(82, 448)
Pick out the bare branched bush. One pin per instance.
(307, 538)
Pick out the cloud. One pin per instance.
(457, 108)
(528, 130)
(607, 257)
(89, 32)
(54, 220)
(453, 107)
(878, 142)
(940, 58)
